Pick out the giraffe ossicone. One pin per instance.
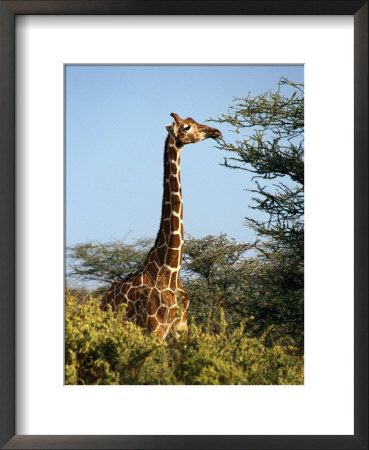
(153, 294)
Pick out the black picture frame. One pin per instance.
(8, 11)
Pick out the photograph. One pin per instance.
(184, 224)
(158, 238)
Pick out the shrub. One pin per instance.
(102, 348)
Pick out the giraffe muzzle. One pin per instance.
(214, 133)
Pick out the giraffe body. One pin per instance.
(154, 295)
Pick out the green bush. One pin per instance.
(102, 348)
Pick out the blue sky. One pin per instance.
(115, 132)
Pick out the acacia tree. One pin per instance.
(271, 147)
(106, 262)
(214, 273)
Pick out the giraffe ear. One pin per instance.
(170, 129)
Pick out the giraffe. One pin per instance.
(154, 294)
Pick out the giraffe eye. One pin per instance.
(187, 127)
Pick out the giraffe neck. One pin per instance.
(168, 246)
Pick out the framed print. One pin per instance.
(82, 82)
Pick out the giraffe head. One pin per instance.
(187, 131)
